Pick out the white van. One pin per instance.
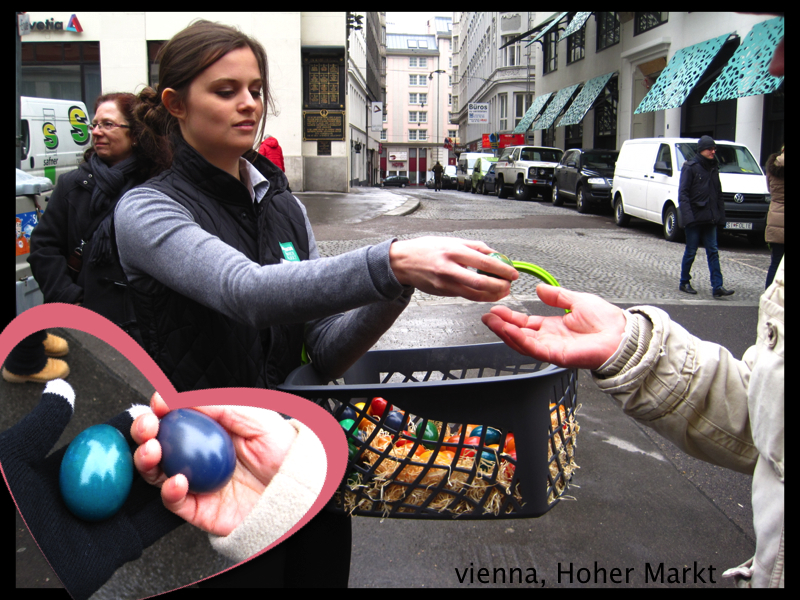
(55, 134)
(647, 177)
(466, 162)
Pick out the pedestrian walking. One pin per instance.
(438, 169)
(271, 149)
(703, 210)
(774, 232)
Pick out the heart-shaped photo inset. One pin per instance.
(290, 455)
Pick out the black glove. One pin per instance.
(84, 555)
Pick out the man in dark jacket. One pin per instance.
(437, 175)
(703, 210)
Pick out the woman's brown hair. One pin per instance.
(150, 161)
(181, 60)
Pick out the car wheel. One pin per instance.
(558, 200)
(620, 218)
(402, 185)
(484, 191)
(499, 188)
(672, 231)
(580, 201)
(520, 191)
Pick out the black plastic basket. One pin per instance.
(485, 384)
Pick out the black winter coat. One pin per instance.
(700, 194)
(63, 226)
(195, 346)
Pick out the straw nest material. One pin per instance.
(403, 477)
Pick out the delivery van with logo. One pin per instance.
(55, 134)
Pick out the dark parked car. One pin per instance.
(398, 180)
(486, 185)
(449, 178)
(585, 176)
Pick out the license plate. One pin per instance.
(738, 226)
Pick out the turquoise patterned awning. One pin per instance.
(681, 75)
(533, 112)
(552, 24)
(554, 109)
(577, 22)
(747, 72)
(583, 102)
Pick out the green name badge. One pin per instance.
(289, 253)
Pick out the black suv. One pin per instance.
(586, 176)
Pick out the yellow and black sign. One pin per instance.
(323, 125)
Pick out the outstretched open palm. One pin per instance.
(584, 338)
(261, 439)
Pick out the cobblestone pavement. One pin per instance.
(632, 264)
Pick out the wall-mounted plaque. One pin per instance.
(323, 147)
(324, 79)
(323, 125)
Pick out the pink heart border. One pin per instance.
(326, 428)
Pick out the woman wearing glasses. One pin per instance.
(73, 255)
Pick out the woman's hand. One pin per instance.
(584, 338)
(261, 438)
(439, 266)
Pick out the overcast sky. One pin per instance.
(412, 22)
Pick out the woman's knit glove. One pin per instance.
(84, 555)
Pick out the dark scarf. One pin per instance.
(708, 163)
(110, 184)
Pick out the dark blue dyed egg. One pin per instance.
(96, 473)
(197, 446)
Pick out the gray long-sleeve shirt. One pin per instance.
(347, 301)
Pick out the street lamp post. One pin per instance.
(438, 108)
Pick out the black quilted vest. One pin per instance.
(198, 347)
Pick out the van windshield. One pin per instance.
(732, 159)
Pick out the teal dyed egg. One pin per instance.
(96, 473)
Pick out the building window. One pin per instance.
(645, 21)
(509, 56)
(503, 107)
(607, 30)
(550, 47)
(383, 135)
(449, 99)
(522, 102)
(412, 98)
(422, 135)
(412, 62)
(412, 43)
(412, 116)
(62, 71)
(422, 44)
(423, 98)
(576, 46)
(412, 135)
(417, 117)
(451, 133)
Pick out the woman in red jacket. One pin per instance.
(272, 150)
